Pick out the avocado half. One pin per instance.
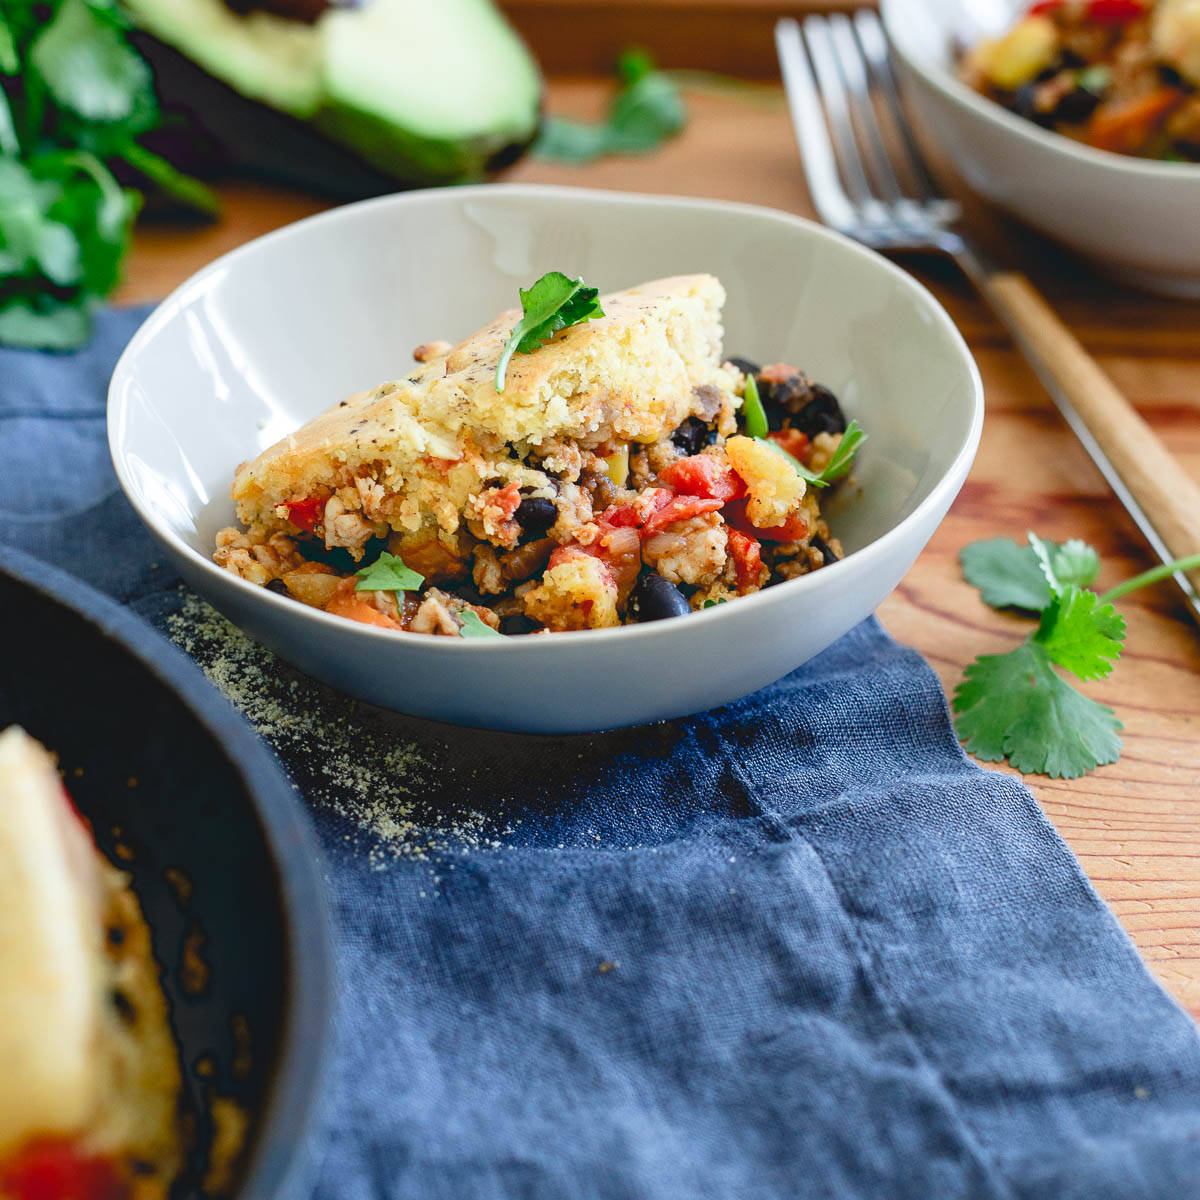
(417, 92)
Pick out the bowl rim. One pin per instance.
(278, 1154)
(793, 588)
(958, 93)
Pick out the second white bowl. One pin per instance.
(1135, 218)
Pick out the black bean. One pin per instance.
(1075, 107)
(1025, 104)
(516, 625)
(654, 599)
(745, 365)
(1170, 76)
(339, 558)
(822, 413)
(827, 554)
(535, 514)
(692, 436)
(277, 586)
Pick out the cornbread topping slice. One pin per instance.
(427, 441)
(89, 1068)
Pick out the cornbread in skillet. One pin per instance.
(538, 507)
(89, 1074)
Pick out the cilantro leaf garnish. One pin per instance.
(1080, 633)
(839, 465)
(1016, 705)
(1011, 576)
(388, 574)
(753, 412)
(836, 467)
(554, 302)
(473, 626)
(646, 110)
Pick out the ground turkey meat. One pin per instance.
(691, 551)
(258, 562)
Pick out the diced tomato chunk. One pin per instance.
(635, 514)
(746, 552)
(794, 528)
(681, 508)
(1102, 12)
(1114, 12)
(348, 602)
(507, 499)
(705, 475)
(792, 441)
(778, 372)
(52, 1169)
(305, 514)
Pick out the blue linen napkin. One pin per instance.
(797, 947)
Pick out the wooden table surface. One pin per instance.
(1135, 826)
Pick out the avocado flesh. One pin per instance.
(425, 91)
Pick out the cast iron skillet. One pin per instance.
(182, 794)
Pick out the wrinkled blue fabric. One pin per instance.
(797, 947)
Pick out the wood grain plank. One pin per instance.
(1135, 824)
(586, 36)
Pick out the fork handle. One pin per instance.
(1167, 495)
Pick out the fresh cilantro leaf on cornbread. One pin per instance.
(89, 1068)
(553, 303)
(606, 444)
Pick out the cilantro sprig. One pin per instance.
(839, 463)
(754, 416)
(1017, 705)
(388, 574)
(554, 302)
(473, 626)
(74, 98)
(646, 110)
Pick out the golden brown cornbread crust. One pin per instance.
(138, 1117)
(418, 448)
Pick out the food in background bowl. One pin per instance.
(89, 1071)
(577, 465)
(1118, 75)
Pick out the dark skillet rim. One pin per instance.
(293, 1090)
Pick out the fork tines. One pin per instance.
(865, 173)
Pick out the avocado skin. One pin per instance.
(212, 130)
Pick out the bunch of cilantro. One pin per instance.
(1017, 705)
(74, 98)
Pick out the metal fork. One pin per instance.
(834, 70)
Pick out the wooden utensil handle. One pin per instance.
(1166, 493)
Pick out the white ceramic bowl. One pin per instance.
(266, 337)
(1135, 218)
